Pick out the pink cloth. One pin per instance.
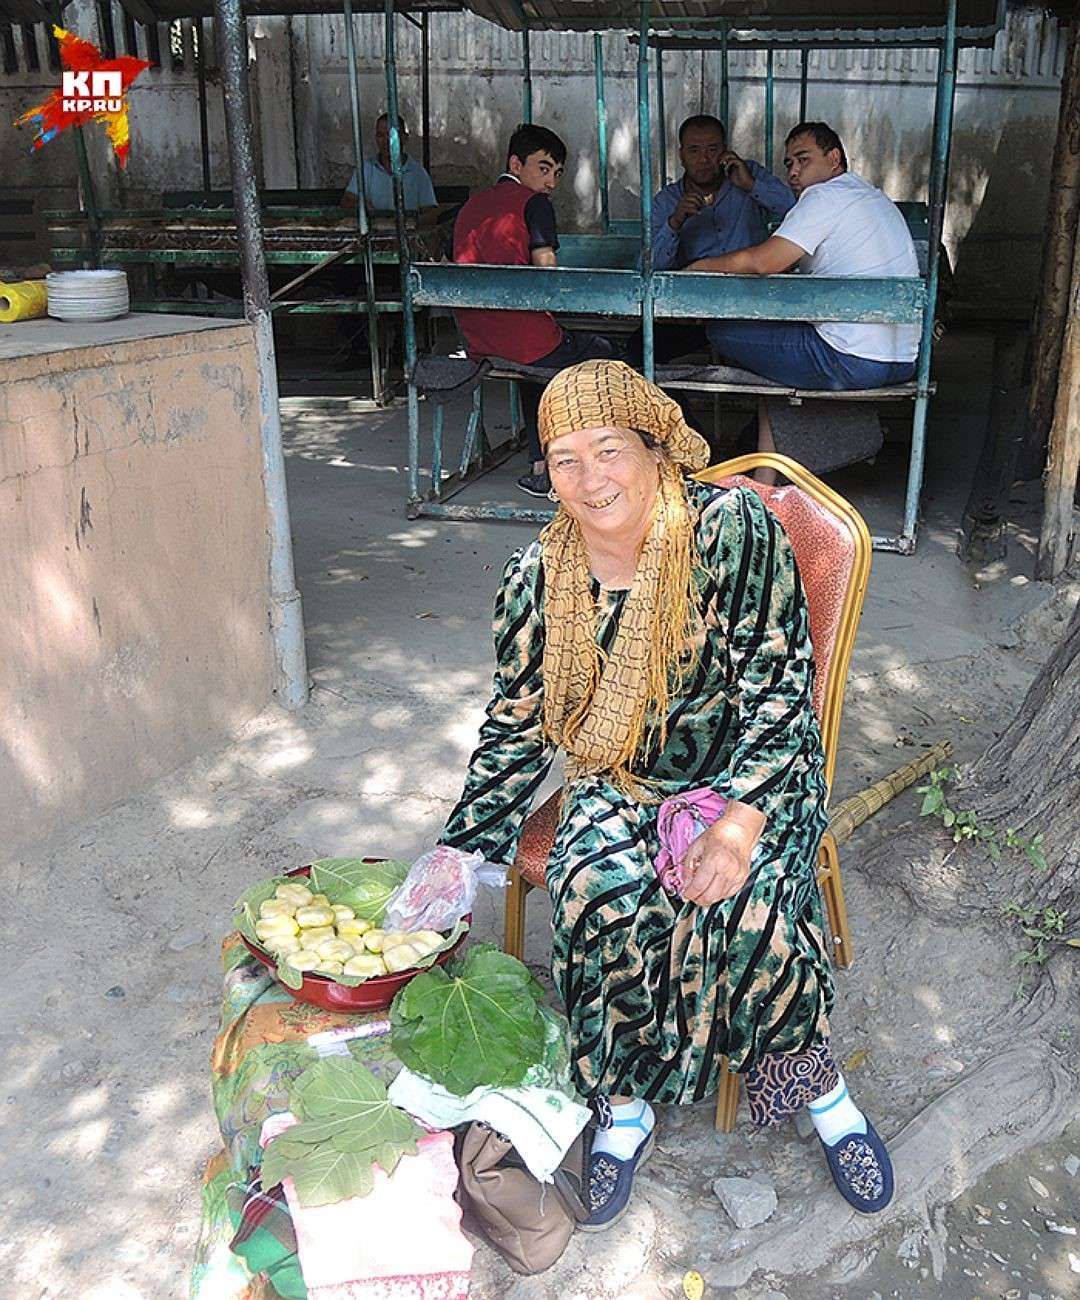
(403, 1241)
(681, 819)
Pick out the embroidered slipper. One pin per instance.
(862, 1170)
(610, 1183)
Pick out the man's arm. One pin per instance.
(665, 239)
(543, 236)
(770, 192)
(425, 189)
(772, 257)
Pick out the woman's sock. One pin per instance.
(630, 1124)
(835, 1115)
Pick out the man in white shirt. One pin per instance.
(839, 226)
(379, 178)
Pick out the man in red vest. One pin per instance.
(513, 224)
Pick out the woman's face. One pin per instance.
(607, 479)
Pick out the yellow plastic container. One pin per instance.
(23, 300)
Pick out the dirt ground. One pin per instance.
(111, 931)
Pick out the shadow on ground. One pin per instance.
(112, 930)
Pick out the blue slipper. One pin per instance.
(861, 1170)
(610, 1183)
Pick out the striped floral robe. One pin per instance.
(656, 989)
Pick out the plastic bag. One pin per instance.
(440, 889)
(681, 819)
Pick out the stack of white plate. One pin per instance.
(87, 295)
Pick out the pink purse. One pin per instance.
(681, 820)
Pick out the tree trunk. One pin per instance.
(1063, 463)
(1027, 781)
(1048, 332)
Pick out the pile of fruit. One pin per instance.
(309, 933)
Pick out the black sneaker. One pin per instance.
(537, 485)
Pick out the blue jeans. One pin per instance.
(794, 353)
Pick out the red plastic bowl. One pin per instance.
(373, 995)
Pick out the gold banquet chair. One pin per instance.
(832, 549)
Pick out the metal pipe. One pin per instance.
(526, 91)
(437, 419)
(472, 433)
(425, 89)
(514, 392)
(724, 86)
(483, 513)
(939, 181)
(601, 131)
(661, 120)
(804, 77)
(408, 319)
(204, 124)
(294, 117)
(286, 616)
(89, 196)
(645, 170)
(361, 207)
(770, 127)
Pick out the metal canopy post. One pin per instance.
(377, 390)
(204, 124)
(661, 120)
(89, 195)
(286, 617)
(526, 90)
(425, 89)
(939, 180)
(770, 127)
(645, 168)
(407, 317)
(804, 78)
(601, 131)
(724, 86)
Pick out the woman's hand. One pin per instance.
(717, 863)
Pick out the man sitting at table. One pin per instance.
(840, 226)
(513, 224)
(379, 177)
(718, 205)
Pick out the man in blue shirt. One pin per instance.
(379, 179)
(719, 204)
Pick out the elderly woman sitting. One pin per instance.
(657, 634)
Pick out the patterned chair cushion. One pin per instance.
(825, 554)
(537, 839)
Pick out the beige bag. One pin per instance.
(527, 1221)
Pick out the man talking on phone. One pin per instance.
(719, 204)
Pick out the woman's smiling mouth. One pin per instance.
(602, 505)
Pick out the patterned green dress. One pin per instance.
(657, 990)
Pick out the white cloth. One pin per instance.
(542, 1123)
(403, 1239)
(849, 228)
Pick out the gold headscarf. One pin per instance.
(601, 709)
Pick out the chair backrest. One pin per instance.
(832, 549)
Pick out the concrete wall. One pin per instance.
(881, 102)
(134, 591)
